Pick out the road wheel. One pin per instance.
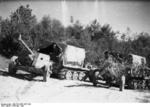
(75, 75)
(68, 75)
(81, 76)
(12, 68)
(95, 78)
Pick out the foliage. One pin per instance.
(95, 38)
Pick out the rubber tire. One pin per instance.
(46, 74)
(12, 68)
(91, 74)
(95, 78)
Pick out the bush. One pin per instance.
(95, 38)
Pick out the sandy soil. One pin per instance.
(20, 88)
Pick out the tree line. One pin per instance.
(95, 37)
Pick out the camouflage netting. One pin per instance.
(137, 75)
(114, 65)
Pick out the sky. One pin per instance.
(134, 14)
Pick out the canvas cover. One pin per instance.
(137, 60)
(73, 57)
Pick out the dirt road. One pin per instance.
(20, 88)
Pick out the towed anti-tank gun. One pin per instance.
(34, 63)
(132, 68)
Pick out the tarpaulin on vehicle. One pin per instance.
(74, 56)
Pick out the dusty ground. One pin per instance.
(21, 89)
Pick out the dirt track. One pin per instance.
(20, 88)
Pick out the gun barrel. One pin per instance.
(20, 39)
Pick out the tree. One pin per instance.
(23, 21)
(94, 38)
(142, 44)
(0, 23)
(94, 30)
(20, 22)
(47, 31)
(73, 34)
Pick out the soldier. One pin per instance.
(107, 70)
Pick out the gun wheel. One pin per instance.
(46, 73)
(95, 78)
(11, 68)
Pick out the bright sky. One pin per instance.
(119, 14)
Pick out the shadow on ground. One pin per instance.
(146, 96)
(100, 85)
(22, 76)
